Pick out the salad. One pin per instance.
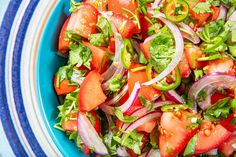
(149, 78)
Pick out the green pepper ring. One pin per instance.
(126, 54)
(176, 18)
(164, 87)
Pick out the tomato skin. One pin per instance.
(64, 87)
(117, 7)
(147, 92)
(226, 123)
(174, 134)
(112, 45)
(216, 12)
(148, 126)
(144, 27)
(184, 68)
(70, 125)
(85, 149)
(62, 44)
(226, 147)
(83, 22)
(99, 59)
(91, 94)
(205, 142)
(192, 53)
(224, 65)
(125, 26)
(146, 45)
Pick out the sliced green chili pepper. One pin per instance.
(170, 108)
(126, 53)
(164, 87)
(177, 10)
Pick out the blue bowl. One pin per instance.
(48, 63)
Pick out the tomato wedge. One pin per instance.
(62, 44)
(184, 68)
(227, 123)
(147, 92)
(210, 136)
(192, 53)
(125, 26)
(226, 148)
(174, 134)
(91, 94)
(70, 125)
(99, 59)
(121, 7)
(64, 87)
(83, 22)
(146, 45)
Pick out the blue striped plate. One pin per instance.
(28, 105)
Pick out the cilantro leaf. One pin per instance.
(162, 49)
(142, 5)
(125, 119)
(202, 7)
(190, 148)
(218, 111)
(116, 83)
(131, 140)
(101, 39)
(74, 6)
(79, 55)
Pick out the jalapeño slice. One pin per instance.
(126, 53)
(177, 10)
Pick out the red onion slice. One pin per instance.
(143, 111)
(233, 19)
(89, 135)
(124, 107)
(234, 146)
(142, 120)
(212, 152)
(156, 3)
(174, 96)
(153, 153)
(189, 33)
(179, 50)
(117, 59)
(121, 151)
(223, 13)
(215, 80)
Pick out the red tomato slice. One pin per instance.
(148, 92)
(226, 147)
(85, 149)
(70, 125)
(201, 18)
(91, 94)
(216, 12)
(99, 59)
(146, 45)
(112, 45)
(184, 68)
(148, 126)
(83, 22)
(174, 134)
(64, 87)
(125, 26)
(62, 44)
(144, 27)
(210, 137)
(118, 6)
(192, 53)
(224, 65)
(226, 123)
